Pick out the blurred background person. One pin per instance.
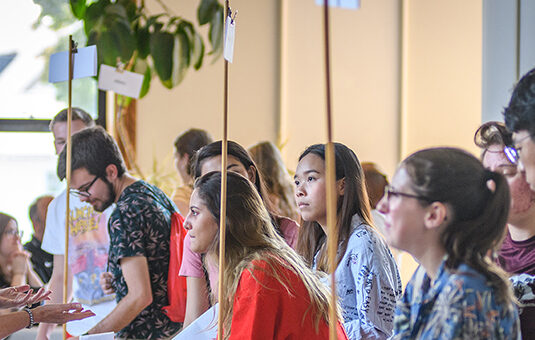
(15, 267)
(278, 182)
(41, 260)
(517, 253)
(186, 144)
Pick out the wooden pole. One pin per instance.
(68, 177)
(223, 212)
(332, 230)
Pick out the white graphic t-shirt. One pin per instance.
(88, 254)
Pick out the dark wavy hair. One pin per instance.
(479, 214)
(520, 113)
(492, 133)
(93, 149)
(354, 202)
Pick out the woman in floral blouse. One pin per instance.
(448, 212)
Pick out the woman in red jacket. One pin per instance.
(269, 292)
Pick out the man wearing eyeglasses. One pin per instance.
(520, 119)
(139, 227)
(88, 243)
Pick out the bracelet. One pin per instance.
(30, 314)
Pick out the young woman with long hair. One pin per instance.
(15, 266)
(367, 277)
(239, 161)
(269, 292)
(449, 212)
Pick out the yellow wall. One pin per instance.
(394, 90)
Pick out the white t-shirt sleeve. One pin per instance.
(54, 236)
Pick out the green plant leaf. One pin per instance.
(116, 9)
(94, 16)
(183, 55)
(78, 8)
(146, 83)
(143, 41)
(161, 48)
(216, 34)
(207, 9)
(198, 51)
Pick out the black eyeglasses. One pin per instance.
(513, 152)
(389, 193)
(84, 192)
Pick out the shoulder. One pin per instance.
(465, 286)
(265, 273)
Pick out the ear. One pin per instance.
(341, 186)
(252, 174)
(111, 173)
(436, 215)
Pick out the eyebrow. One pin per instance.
(193, 207)
(307, 172)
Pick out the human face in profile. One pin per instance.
(201, 224)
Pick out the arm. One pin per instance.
(57, 313)
(136, 274)
(197, 299)
(56, 287)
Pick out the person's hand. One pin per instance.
(21, 295)
(60, 313)
(20, 262)
(105, 283)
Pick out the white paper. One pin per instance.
(203, 328)
(350, 4)
(121, 82)
(85, 64)
(230, 31)
(101, 336)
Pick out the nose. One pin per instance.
(299, 191)
(187, 223)
(382, 205)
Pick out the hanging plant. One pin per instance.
(160, 44)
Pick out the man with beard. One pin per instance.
(139, 229)
(88, 243)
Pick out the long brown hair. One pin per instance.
(4, 220)
(278, 181)
(456, 178)
(251, 236)
(354, 202)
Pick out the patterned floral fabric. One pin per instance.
(458, 305)
(368, 284)
(140, 226)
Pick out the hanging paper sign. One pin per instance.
(121, 82)
(85, 64)
(230, 30)
(350, 4)
(101, 336)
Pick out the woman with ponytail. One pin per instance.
(449, 212)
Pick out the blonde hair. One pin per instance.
(251, 236)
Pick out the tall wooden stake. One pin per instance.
(332, 229)
(223, 212)
(68, 177)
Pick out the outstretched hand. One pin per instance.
(21, 295)
(60, 313)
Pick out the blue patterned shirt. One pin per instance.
(457, 305)
(140, 225)
(368, 284)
